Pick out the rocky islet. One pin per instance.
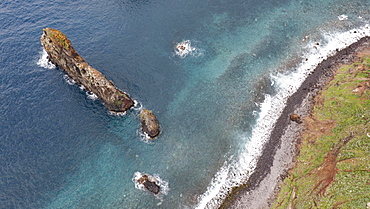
(62, 54)
(149, 123)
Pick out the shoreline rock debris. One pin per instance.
(296, 118)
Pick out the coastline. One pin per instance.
(280, 150)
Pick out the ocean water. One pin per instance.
(216, 103)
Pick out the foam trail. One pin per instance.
(44, 62)
(237, 172)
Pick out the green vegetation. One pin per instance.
(333, 167)
(58, 37)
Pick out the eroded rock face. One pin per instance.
(62, 54)
(149, 123)
(151, 186)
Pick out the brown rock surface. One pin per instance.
(295, 118)
(151, 186)
(149, 123)
(62, 54)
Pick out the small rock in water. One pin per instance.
(149, 123)
(182, 48)
(151, 186)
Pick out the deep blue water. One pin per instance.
(61, 149)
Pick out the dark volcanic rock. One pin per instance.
(149, 185)
(62, 54)
(149, 123)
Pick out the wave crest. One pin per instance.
(44, 61)
(236, 172)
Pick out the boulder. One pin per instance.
(151, 186)
(149, 123)
(295, 118)
(62, 54)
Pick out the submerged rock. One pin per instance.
(151, 186)
(149, 123)
(62, 54)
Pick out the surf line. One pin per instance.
(237, 172)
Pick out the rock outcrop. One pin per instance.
(149, 123)
(62, 54)
(150, 185)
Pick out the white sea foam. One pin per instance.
(342, 17)
(164, 188)
(43, 60)
(185, 48)
(118, 113)
(91, 95)
(237, 172)
(137, 107)
(144, 137)
(69, 80)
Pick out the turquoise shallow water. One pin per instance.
(61, 149)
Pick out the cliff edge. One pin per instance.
(332, 169)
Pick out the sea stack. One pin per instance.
(150, 185)
(149, 123)
(62, 54)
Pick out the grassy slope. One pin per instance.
(333, 167)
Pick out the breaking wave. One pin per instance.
(185, 48)
(71, 82)
(91, 95)
(44, 62)
(236, 172)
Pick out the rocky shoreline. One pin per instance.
(280, 151)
